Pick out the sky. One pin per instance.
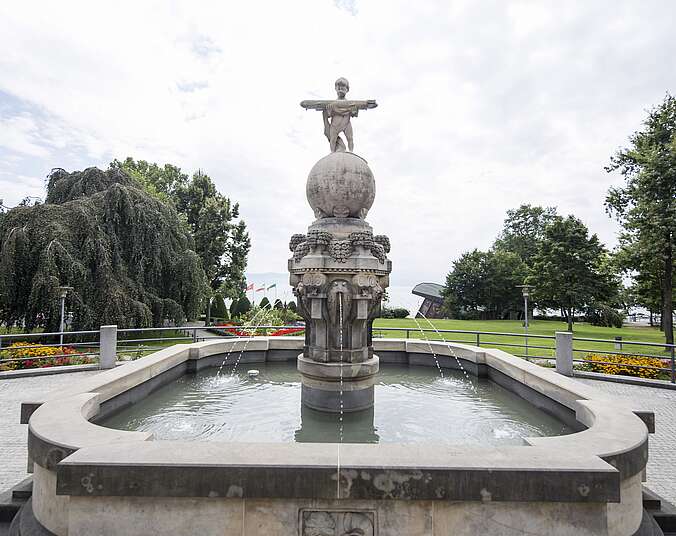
(482, 105)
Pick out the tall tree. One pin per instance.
(221, 241)
(483, 284)
(523, 230)
(646, 204)
(126, 254)
(570, 269)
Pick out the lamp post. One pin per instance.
(208, 319)
(525, 291)
(63, 292)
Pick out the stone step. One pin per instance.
(13, 499)
(661, 510)
(23, 490)
(651, 501)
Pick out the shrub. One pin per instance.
(394, 312)
(604, 315)
(45, 356)
(625, 365)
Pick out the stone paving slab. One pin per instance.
(13, 436)
(662, 444)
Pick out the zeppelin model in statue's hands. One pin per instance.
(339, 112)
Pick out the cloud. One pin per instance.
(482, 105)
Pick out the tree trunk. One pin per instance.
(652, 320)
(569, 318)
(668, 294)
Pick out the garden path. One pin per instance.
(661, 467)
(13, 436)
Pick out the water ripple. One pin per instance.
(413, 404)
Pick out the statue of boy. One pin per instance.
(339, 112)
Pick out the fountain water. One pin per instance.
(429, 345)
(245, 328)
(248, 340)
(457, 359)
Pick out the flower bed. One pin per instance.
(626, 365)
(30, 355)
(235, 330)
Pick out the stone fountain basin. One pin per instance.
(89, 479)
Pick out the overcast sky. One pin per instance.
(482, 105)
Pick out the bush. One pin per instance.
(240, 307)
(606, 316)
(45, 356)
(218, 308)
(625, 365)
(394, 312)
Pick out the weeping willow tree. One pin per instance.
(128, 257)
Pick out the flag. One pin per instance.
(250, 287)
(274, 285)
(259, 289)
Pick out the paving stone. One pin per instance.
(661, 469)
(12, 434)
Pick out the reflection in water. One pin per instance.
(320, 427)
(413, 404)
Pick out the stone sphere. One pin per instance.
(341, 185)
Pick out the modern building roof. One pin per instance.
(431, 291)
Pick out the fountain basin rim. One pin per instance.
(582, 467)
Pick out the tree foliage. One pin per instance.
(483, 285)
(239, 307)
(394, 312)
(646, 207)
(523, 230)
(221, 241)
(571, 270)
(126, 254)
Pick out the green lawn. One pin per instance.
(537, 327)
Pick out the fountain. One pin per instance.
(168, 445)
(339, 269)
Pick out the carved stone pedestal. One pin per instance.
(339, 271)
(323, 390)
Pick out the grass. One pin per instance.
(536, 327)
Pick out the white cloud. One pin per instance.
(482, 105)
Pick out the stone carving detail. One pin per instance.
(311, 284)
(336, 523)
(378, 252)
(340, 250)
(383, 241)
(341, 211)
(301, 250)
(367, 285)
(339, 287)
(295, 240)
(362, 238)
(318, 239)
(337, 113)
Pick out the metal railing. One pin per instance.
(135, 342)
